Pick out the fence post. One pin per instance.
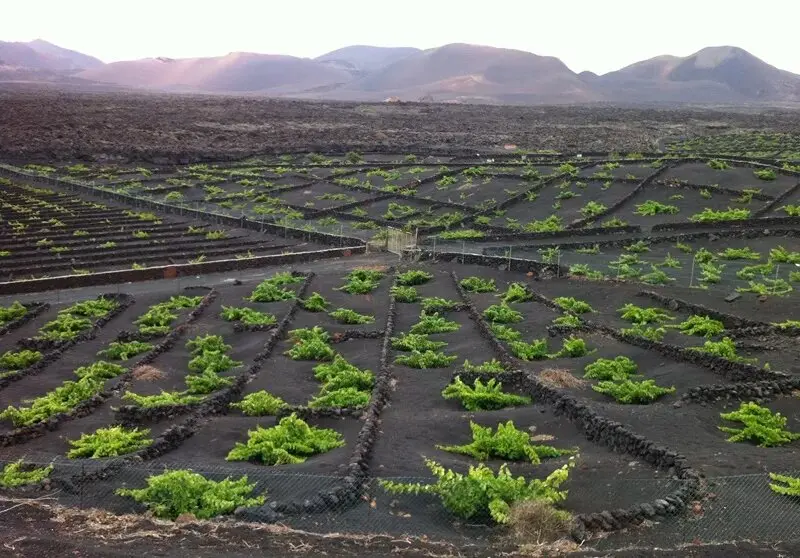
(691, 277)
(463, 250)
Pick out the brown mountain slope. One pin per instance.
(475, 71)
(363, 58)
(235, 72)
(715, 74)
(41, 55)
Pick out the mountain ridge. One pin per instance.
(456, 72)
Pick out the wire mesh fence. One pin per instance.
(729, 508)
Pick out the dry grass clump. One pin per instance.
(147, 373)
(540, 529)
(560, 378)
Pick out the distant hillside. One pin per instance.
(235, 72)
(363, 59)
(450, 73)
(714, 74)
(41, 55)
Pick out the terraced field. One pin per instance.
(619, 331)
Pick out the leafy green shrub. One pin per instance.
(709, 215)
(788, 324)
(516, 292)
(652, 207)
(436, 304)
(615, 370)
(553, 223)
(260, 404)
(362, 281)
(670, 262)
(109, 442)
(481, 491)
(291, 441)
(711, 273)
(782, 255)
(247, 316)
(64, 328)
(629, 392)
(790, 486)
(433, 323)
(768, 287)
(123, 351)
(583, 270)
(404, 294)
(18, 473)
(461, 234)
(340, 374)
(413, 277)
(568, 320)
(570, 304)
(724, 349)
(593, 209)
(745, 253)
(269, 291)
(19, 360)
(425, 360)
(535, 350)
(613, 222)
(415, 342)
(507, 442)
(347, 316)
(645, 331)
(344, 398)
(478, 285)
(505, 333)
(502, 314)
(638, 247)
(716, 164)
(62, 399)
(761, 425)
(765, 174)
(480, 396)
(702, 326)
(315, 303)
(685, 248)
(791, 210)
(397, 211)
(209, 380)
(639, 315)
(311, 347)
(572, 347)
(177, 492)
(13, 312)
(163, 399)
(493, 366)
(656, 277)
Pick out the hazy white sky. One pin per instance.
(596, 35)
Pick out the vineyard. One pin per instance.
(599, 342)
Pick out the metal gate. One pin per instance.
(398, 240)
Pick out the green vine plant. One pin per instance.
(502, 314)
(493, 366)
(725, 348)
(435, 304)
(568, 320)
(647, 332)
(12, 312)
(616, 370)
(124, 350)
(516, 292)
(109, 442)
(18, 473)
(425, 359)
(638, 315)
(701, 326)
(631, 392)
(535, 350)
(433, 323)
(413, 277)
(404, 294)
(344, 385)
(310, 344)
(350, 317)
(760, 425)
(247, 316)
(13, 361)
(315, 303)
(177, 492)
(416, 342)
(478, 285)
(482, 396)
(362, 281)
(482, 492)
(507, 442)
(505, 333)
(785, 485)
(291, 441)
(570, 304)
(260, 404)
